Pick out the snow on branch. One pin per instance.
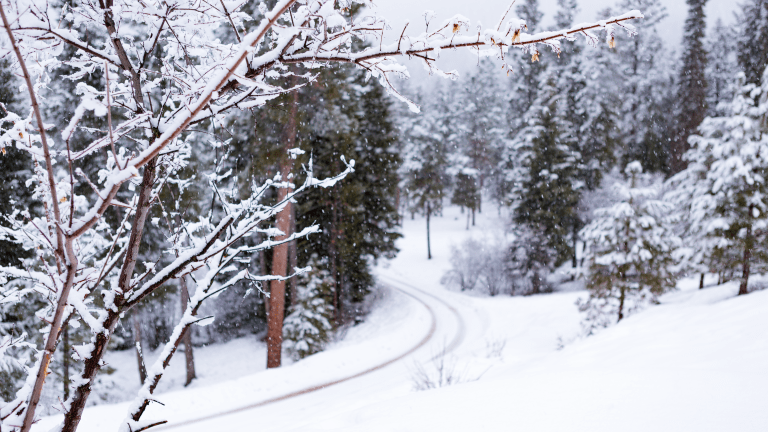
(161, 68)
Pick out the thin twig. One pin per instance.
(109, 117)
(505, 15)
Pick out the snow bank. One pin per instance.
(698, 362)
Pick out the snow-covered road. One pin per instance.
(374, 362)
(698, 361)
(359, 388)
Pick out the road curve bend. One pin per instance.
(421, 343)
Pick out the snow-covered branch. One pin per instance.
(160, 68)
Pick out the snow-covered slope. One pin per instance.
(697, 362)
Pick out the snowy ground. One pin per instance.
(698, 362)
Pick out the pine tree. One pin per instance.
(525, 86)
(307, 327)
(351, 118)
(630, 248)
(425, 163)
(340, 115)
(588, 107)
(728, 198)
(721, 67)
(642, 73)
(594, 117)
(480, 123)
(15, 319)
(466, 192)
(752, 43)
(692, 84)
(548, 192)
(14, 165)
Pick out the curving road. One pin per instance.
(378, 382)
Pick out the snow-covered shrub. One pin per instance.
(441, 371)
(529, 261)
(466, 263)
(494, 348)
(496, 267)
(307, 329)
(495, 277)
(479, 264)
(629, 254)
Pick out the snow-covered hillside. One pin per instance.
(698, 362)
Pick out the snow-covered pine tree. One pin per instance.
(349, 116)
(728, 185)
(588, 105)
(691, 86)
(14, 168)
(594, 105)
(17, 317)
(425, 162)
(547, 192)
(307, 327)
(721, 66)
(642, 70)
(481, 123)
(629, 253)
(527, 70)
(466, 192)
(752, 41)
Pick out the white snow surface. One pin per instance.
(696, 362)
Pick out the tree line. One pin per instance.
(631, 166)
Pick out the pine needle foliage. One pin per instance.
(548, 194)
(727, 182)
(307, 328)
(630, 253)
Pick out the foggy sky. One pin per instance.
(489, 12)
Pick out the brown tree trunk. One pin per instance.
(189, 356)
(65, 359)
(622, 295)
(90, 369)
(701, 282)
(468, 217)
(293, 259)
(473, 216)
(743, 288)
(280, 253)
(336, 264)
(93, 363)
(137, 344)
(264, 271)
(574, 263)
(277, 287)
(429, 247)
(397, 206)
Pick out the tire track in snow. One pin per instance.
(461, 329)
(427, 337)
